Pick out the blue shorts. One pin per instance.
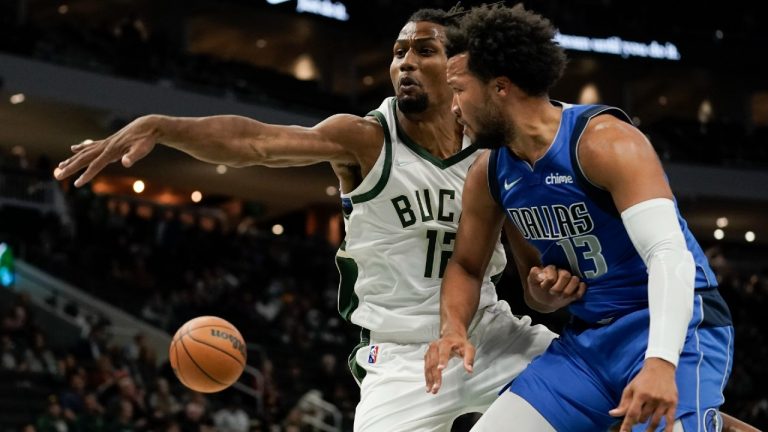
(582, 374)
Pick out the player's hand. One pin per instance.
(652, 394)
(128, 145)
(555, 287)
(442, 350)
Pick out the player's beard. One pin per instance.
(493, 131)
(413, 104)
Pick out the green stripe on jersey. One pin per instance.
(348, 300)
(358, 372)
(379, 186)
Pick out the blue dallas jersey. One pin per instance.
(575, 224)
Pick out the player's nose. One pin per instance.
(455, 107)
(408, 63)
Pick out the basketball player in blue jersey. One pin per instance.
(651, 340)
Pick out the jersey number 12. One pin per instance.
(445, 254)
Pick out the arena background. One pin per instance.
(95, 279)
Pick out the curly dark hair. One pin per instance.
(510, 42)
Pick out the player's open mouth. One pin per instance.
(408, 84)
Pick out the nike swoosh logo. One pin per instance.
(273, 2)
(404, 163)
(508, 186)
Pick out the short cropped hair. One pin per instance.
(438, 16)
(510, 42)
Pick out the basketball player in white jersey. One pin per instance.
(401, 169)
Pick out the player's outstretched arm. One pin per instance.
(232, 140)
(479, 230)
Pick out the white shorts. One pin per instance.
(393, 391)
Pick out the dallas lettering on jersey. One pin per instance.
(445, 201)
(552, 222)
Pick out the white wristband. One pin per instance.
(655, 231)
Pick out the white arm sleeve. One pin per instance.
(655, 231)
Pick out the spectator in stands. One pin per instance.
(72, 399)
(8, 357)
(194, 418)
(53, 419)
(128, 392)
(124, 421)
(162, 402)
(38, 357)
(95, 347)
(232, 417)
(92, 418)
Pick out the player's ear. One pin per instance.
(502, 85)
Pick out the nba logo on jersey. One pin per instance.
(373, 354)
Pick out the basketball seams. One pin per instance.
(212, 325)
(241, 363)
(198, 366)
(178, 361)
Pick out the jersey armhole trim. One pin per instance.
(493, 181)
(379, 186)
(598, 194)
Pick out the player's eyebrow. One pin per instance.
(420, 39)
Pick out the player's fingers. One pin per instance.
(533, 275)
(444, 353)
(658, 414)
(562, 277)
(83, 145)
(430, 364)
(582, 289)
(437, 371)
(572, 286)
(632, 417)
(96, 165)
(74, 164)
(547, 277)
(670, 416)
(647, 411)
(469, 357)
(136, 152)
(626, 399)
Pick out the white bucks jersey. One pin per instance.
(401, 224)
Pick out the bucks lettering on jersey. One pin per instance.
(401, 224)
(575, 225)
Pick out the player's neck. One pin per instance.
(435, 130)
(536, 122)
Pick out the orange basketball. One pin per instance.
(207, 354)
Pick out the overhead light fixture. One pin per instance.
(196, 196)
(719, 234)
(749, 236)
(721, 222)
(277, 229)
(221, 169)
(138, 186)
(331, 190)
